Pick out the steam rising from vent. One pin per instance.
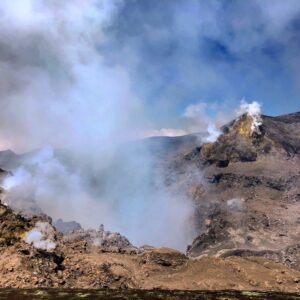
(20, 177)
(41, 236)
(236, 204)
(129, 196)
(253, 110)
(213, 133)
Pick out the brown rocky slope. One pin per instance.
(80, 264)
(249, 200)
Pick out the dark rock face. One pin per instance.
(231, 180)
(289, 256)
(12, 226)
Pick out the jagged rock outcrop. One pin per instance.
(106, 240)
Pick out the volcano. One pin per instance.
(249, 203)
(246, 197)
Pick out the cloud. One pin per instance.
(122, 66)
(172, 132)
(57, 89)
(180, 51)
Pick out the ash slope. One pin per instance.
(80, 264)
(249, 201)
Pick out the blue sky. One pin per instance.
(188, 51)
(101, 71)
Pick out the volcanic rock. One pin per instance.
(260, 171)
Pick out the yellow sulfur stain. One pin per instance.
(245, 128)
(207, 149)
(22, 234)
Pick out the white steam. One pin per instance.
(60, 90)
(213, 133)
(41, 236)
(253, 110)
(194, 119)
(124, 197)
(19, 177)
(237, 204)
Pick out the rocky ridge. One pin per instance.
(253, 179)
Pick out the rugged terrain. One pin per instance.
(245, 187)
(77, 263)
(252, 191)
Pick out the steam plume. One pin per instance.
(60, 91)
(253, 110)
(41, 236)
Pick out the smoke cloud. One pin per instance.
(57, 89)
(253, 110)
(41, 236)
(84, 77)
(62, 96)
